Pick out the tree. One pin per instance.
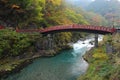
(16, 12)
(75, 17)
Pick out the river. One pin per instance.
(68, 65)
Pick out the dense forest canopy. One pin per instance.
(14, 13)
(43, 13)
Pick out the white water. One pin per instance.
(86, 43)
(80, 48)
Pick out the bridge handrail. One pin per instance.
(68, 27)
(28, 30)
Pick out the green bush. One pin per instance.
(12, 43)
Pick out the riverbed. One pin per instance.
(68, 65)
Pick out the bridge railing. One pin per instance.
(28, 30)
(78, 26)
(1, 27)
(68, 27)
(90, 27)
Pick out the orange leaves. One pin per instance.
(96, 19)
(15, 6)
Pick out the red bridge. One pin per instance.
(74, 27)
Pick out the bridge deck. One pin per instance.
(88, 28)
(74, 27)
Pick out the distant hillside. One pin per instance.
(104, 6)
(109, 9)
(79, 3)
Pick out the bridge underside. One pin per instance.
(118, 30)
(78, 30)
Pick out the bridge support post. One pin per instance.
(50, 41)
(96, 40)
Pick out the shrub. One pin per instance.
(100, 56)
(12, 43)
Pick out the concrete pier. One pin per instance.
(96, 40)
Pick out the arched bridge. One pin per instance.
(75, 27)
(83, 28)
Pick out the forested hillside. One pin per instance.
(110, 9)
(39, 13)
(15, 13)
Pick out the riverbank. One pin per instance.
(18, 50)
(68, 61)
(12, 65)
(15, 64)
(102, 65)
